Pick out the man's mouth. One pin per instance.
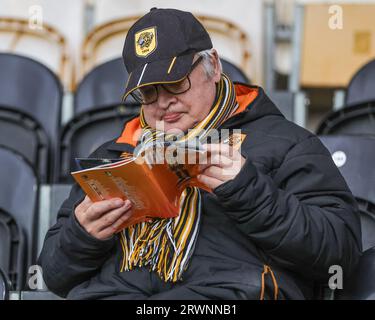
(172, 117)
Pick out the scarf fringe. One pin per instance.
(166, 245)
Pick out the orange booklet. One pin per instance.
(153, 188)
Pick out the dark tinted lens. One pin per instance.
(145, 95)
(178, 87)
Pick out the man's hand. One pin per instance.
(224, 163)
(102, 219)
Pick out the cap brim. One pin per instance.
(157, 72)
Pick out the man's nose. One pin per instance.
(165, 98)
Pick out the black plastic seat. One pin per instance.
(361, 284)
(361, 87)
(102, 87)
(4, 286)
(234, 72)
(22, 133)
(84, 134)
(28, 86)
(19, 196)
(355, 157)
(358, 119)
(12, 254)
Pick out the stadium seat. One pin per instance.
(19, 195)
(102, 87)
(28, 86)
(361, 284)
(22, 133)
(4, 286)
(355, 158)
(361, 87)
(358, 119)
(87, 132)
(233, 72)
(12, 246)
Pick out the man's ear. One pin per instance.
(216, 64)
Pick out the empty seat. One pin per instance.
(4, 286)
(361, 86)
(233, 72)
(102, 87)
(12, 246)
(32, 88)
(359, 119)
(84, 134)
(18, 196)
(24, 134)
(361, 284)
(355, 158)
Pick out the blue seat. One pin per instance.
(19, 196)
(361, 87)
(30, 87)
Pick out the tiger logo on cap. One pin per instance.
(145, 42)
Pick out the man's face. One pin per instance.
(183, 111)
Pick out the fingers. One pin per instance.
(211, 182)
(85, 204)
(218, 173)
(110, 218)
(97, 209)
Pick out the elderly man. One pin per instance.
(279, 214)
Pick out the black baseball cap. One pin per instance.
(160, 47)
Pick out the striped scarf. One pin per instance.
(166, 245)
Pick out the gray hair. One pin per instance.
(207, 55)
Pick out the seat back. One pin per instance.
(19, 194)
(85, 134)
(361, 86)
(358, 119)
(32, 88)
(22, 133)
(355, 158)
(102, 87)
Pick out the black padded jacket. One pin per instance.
(289, 209)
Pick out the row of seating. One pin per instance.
(31, 106)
